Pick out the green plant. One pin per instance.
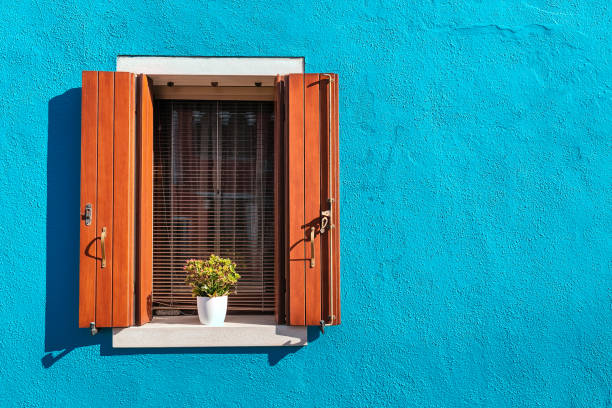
(214, 277)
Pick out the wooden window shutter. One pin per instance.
(107, 229)
(144, 239)
(308, 234)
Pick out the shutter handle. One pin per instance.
(103, 246)
(312, 247)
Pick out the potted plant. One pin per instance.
(211, 282)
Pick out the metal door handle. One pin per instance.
(312, 247)
(103, 246)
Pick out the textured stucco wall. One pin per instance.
(476, 199)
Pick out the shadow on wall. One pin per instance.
(62, 334)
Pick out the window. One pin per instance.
(176, 164)
(213, 192)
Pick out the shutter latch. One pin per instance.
(325, 216)
(87, 215)
(92, 327)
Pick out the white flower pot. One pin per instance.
(212, 310)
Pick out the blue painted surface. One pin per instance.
(476, 196)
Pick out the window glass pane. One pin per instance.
(214, 193)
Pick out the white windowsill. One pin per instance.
(186, 331)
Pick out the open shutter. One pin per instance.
(144, 278)
(107, 251)
(308, 252)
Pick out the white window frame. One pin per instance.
(239, 330)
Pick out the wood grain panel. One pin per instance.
(215, 93)
(325, 194)
(312, 198)
(132, 199)
(89, 150)
(206, 80)
(295, 234)
(279, 214)
(123, 208)
(329, 189)
(104, 281)
(335, 237)
(144, 280)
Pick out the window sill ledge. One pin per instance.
(186, 331)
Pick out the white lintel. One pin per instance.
(160, 65)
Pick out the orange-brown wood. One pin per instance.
(312, 197)
(87, 250)
(325, 189)
(311, 186)
(123, 206)
(330, 241)
(132, 199)
(294, 195)
(144, 279)
(104, 279)
(108, 183)
(279, 231)
(335, 232)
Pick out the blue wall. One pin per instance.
(476, 197)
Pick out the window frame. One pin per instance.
(193, 76)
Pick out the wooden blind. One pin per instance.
(213, 192)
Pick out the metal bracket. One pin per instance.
(323, 323)
(325, 216)
(87, 215)
(92, 327)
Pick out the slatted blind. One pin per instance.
(213, 192)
